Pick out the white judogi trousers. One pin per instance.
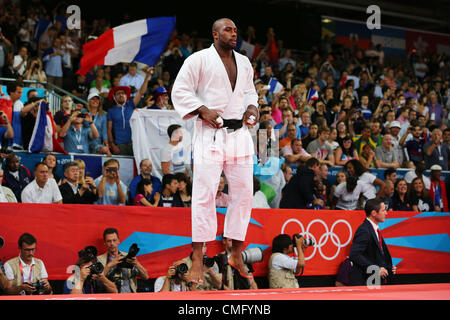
(206, 177)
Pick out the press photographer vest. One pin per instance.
(207, 285)
(133, 281)
(36, 274)
(283, 278)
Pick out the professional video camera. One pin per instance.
(307, 242)
(132, 252)
(180, 269)
(89, 253)
(38, 285)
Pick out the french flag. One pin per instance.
(275, 86)
(142, 41)
(43, 137)
(251, 50)
(312, 95)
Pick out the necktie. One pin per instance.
(379, 238)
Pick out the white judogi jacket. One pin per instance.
(203, 80)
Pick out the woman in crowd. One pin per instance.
(34, 72)
(367, 158)
(99, 145)
(82, 168)
(332, 139)
(351, 194)
(320, 111)
(345, 152)
(355, 169)
(400, 200)
(340, 177)
(418, 196)
(51, 162)
(144, 194)
(184, 188)
(342, 131)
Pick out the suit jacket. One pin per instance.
(298, 193)
(69, 197)
(366, 251)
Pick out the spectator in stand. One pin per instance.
(400, 200)
(83, 174)
(340, 177)
(367, 157)
(365, 109)
(386, 194)
(259, 198)
(291, 133)
(63, 114)
(294, 153)
(34, 72)
(413, 140)
(438, 190)
(345, 152)
(54, 60)
(354, 168)
(47, 39)
(364, 139)
(149, 102)
(42, 189)
(435, 152)
(306, 123)
(390, 174)
(15, 176)
(386, 155)
(437, 113)
(80, 88)
(144, 194)
(350, 194)
(20, 61)
(418, 196)
(119, 131)
(100, 78)
(312, 135)
(99, 89)
(145, 169)
(418, 172)
(52, 164)
(6, 130)
(74, 192)
(298, 193)
(95, 109)
(184, 188)
(5, 47)
(6, 194)
(132, 79)
(321, 149)
(221, 197)
(169, 195)
(173, 60)
(172, 156)
(161, 97)
(76, 136)
(110, 189)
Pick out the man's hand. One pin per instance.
(210, 116)
(115, 149)
(383, 273)
(251, 111)
(171, 272)
(28, 288)
(394, 269)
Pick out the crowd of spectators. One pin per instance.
(373, 110)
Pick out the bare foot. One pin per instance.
(196, 270)
(239, 265)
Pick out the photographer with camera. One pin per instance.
(283, 267)
(26, 274)
(88, 277)
(231, 279)
(178, 278)
(211, 274)
(76, 136)
(4, 283)
(121, 268)
(110, 189)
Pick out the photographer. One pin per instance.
(88, 276)
(122, 272)
(26, 274)
(213, 279)
(177, 279)
(282, 267)
(232, 280)
(4, 283)
(76, 136)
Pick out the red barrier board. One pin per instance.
(418, 242)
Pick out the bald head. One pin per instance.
(220, 23)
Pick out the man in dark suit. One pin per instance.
(299, 192)
(366, 252)
(74, 192)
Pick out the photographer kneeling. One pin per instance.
(178, 278)
(88, 277)
(282, 267)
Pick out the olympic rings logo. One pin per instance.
(329, 234)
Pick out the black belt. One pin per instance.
(232, 124)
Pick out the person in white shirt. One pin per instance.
(42, 189)
(25, 269)
(20, 60)
(349, 194)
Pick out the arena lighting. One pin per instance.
(326, 20)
